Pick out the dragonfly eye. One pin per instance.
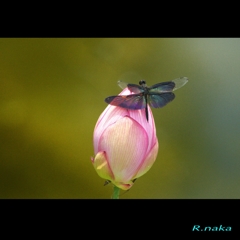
(142, 82)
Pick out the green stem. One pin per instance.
(116, 192)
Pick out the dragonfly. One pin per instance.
(156, 96)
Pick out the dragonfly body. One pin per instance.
(156, 96)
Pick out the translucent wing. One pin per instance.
(134, 101)
(179, 82)
(168, 86)
(160, 100)
(122, 85)
(132, 87)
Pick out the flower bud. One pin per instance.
(125, 144)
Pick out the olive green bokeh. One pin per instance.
(52, 92)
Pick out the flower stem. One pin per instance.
(116, 192)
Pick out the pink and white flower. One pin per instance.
(125, 144)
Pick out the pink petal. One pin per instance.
(148, 162)
(109, 116)
(125, 144)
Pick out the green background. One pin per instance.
(52, 92)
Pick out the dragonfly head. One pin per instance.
(142, 83)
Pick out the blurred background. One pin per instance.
(52, 92)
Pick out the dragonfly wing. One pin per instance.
(134, 101)
(122, 85)
(162, 87)
(132, 87)
(160, 100)
(179, 82)
(169, 86)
